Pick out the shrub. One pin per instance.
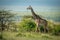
(0, 36)
(41, 28)
(27, 25)
(56, 30)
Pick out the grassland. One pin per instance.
(7, 35)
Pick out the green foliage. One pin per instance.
(41, 28)
(56, 30)
(5, 18)
(27, 25)
(0, 36)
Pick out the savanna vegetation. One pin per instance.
(25, 29)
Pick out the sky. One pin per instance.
(38, 5)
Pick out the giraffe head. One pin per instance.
(28, 8)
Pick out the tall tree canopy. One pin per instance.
(5, 17)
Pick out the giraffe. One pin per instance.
(38, 20)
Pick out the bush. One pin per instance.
(0, 36)
(56, 30)
(27, 25)
(41, 28)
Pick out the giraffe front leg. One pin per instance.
(44, 29)
(37, 28)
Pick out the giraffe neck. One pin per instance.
(33, 13)
(35, 16)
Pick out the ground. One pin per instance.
(7, 35)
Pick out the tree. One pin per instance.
(27, 25)
(5, 17)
